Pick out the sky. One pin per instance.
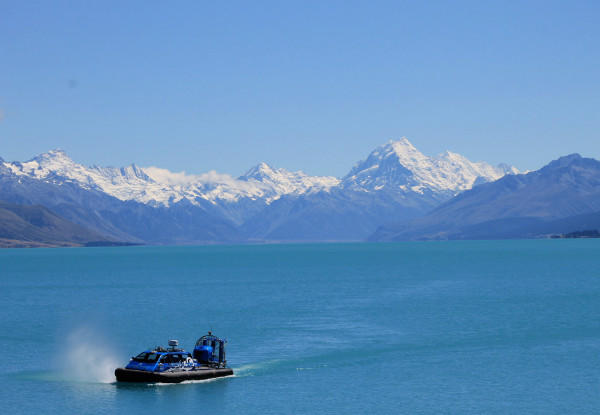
(307, 85)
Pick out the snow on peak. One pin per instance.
(56, 153)
(281, 181)
(402, 149)
(260, 172)
(398, 165)
(157, 186)
(54, 162)
(405, 150)
(508, 169)
(55, 166)
(56, 156)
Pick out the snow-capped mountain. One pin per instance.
(398, 166)
(283, 182)
(395, 166)
(394, 183)
(55, 166)
(160, 187)
(561, 197)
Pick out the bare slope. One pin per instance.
(33, 226)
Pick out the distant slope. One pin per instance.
(128, 221)
(37, 226)
(338, 215)
(560, 197)
(577, 223)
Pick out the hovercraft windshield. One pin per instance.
(147, 357)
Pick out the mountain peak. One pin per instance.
(57, 155)
(399, 165)
(258, 172)
(54, 153)
(507, 169)
(133, 171)
(393, 152)
(56, 159)
(261, 166)
(401, 147)
(58, 152)
(406, 152)
(403, 141)
(563, 161)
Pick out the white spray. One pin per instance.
(88, 357)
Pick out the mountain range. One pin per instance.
(132, 204)
(561, 197)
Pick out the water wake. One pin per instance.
(255, 368)
(189, 382)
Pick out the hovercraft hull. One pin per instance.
(143, 376)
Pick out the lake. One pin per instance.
(465, 327)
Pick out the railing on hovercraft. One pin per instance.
(210, 351)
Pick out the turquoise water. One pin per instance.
(496, 327)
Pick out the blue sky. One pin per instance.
(304, 85)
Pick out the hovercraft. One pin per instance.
(174, 365)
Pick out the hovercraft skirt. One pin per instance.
(142, 376)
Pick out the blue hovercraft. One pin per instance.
(175, 365)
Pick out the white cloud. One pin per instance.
(209, 182)
(165, 176)
(214, 177)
